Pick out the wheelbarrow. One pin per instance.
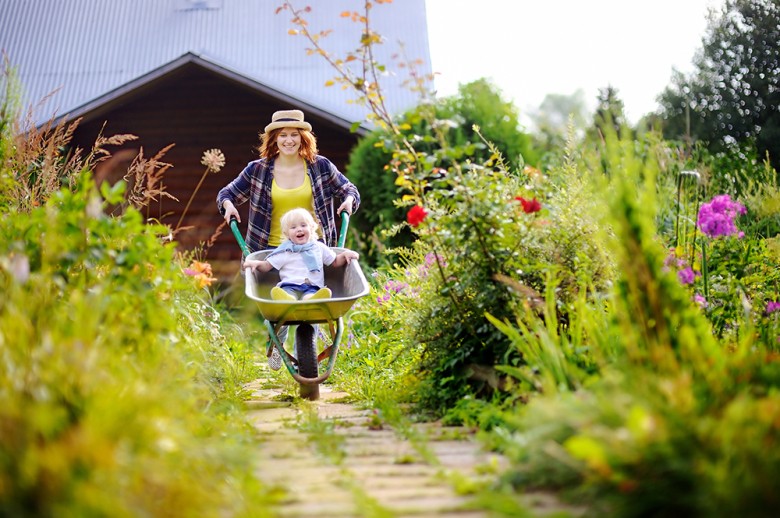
(347, 284)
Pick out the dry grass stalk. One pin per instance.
(144, 177)
(100, 153)
(214, 160)
(533, 298)
(213, 238)
(41, 161)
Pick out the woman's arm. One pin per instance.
(331, 189)
(235, 193)
(345, 190)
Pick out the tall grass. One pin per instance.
(120, 381)
(621, 391)
(671, 424)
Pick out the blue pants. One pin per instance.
(299, 290)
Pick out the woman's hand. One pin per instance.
(346, 206)
(230, 211)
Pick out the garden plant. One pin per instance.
(607, 318)
(121, 383)
(609, 323)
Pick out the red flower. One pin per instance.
(416, 215)
(529, 206)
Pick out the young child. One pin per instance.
(300, 259)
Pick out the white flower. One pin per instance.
(213, 159)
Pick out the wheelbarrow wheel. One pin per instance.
(306, 351)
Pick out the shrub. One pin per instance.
(374, 365)
(105, 389)
(442, 134)
(120, 382)
(671, 426)
(487, 242)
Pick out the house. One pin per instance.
(199, 74)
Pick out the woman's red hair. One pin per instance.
(269, 150)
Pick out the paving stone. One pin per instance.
(374, 467)
(377, 467)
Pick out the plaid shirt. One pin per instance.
(254, 184)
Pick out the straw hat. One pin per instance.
(288, 119)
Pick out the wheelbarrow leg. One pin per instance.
(305, 369)
(306, 351)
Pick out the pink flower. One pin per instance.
(395, 286)
(771, 307)
(383, 298)
(686, 276)
(391, 287)
(701, 301)
(716, 218)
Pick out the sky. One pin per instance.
(531, 48)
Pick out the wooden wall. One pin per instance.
(196, 110)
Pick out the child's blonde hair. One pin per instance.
(299, 214)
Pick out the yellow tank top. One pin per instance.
(283, 200)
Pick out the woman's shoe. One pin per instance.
(275, 360)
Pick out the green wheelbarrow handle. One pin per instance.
(343, 233)
(237, 234)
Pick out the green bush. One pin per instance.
(676, 420)
(441, 134)
(481, 103)
(368, 169)
(490, 241)
(374, 365)
(120, 381)
(105, 387)
(568, 335)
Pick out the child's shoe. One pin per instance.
(322, 293)
(278, 293)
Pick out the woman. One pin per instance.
(289, 174)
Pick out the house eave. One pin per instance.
(106, 102)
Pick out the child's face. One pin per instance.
(299, 232)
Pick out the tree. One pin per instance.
(556, 116)
(733, 95)
(480, 103)
(610, 111)
(556, 109)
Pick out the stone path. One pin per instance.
(330, 459)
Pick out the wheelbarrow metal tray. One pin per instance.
(347, 284)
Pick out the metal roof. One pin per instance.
(71, 55)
